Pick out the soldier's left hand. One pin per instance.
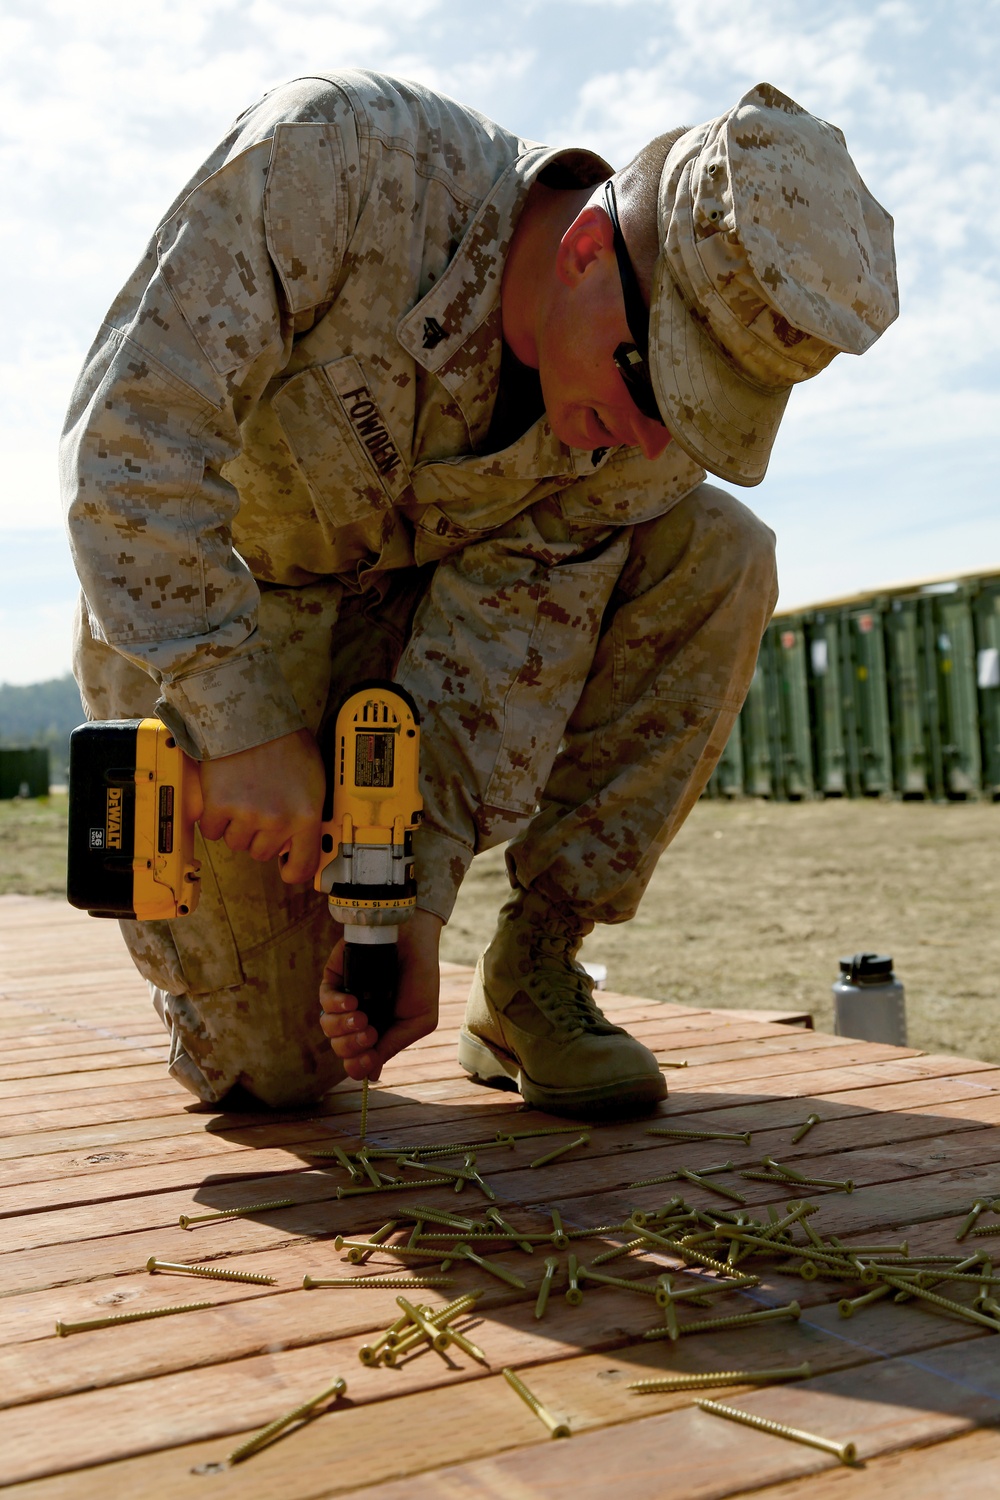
(363, 1052)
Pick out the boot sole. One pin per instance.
(495, 1068)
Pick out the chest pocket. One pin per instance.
(342, 444)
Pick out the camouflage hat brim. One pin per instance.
(723, 420)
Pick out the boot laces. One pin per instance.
(565, 993)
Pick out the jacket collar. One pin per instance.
(455, 331)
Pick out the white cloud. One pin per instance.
(108, 107)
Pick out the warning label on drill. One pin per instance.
(373, 759)
(165, 840)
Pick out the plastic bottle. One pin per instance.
(868, 1000)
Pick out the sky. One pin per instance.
(885, 467)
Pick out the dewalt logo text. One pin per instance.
(113, 819)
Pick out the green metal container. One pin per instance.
(727, 778)
(24, 773)
(755, 739)
(912, 700)
(869, 751)
(791, 739)
(952, 658)
(824, 633)
(986, 620)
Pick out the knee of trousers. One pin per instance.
(709, 537)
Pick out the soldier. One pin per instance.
(395, 393)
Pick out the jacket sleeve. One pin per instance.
(240, 265)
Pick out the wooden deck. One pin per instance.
(102, 1152)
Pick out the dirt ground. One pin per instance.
(754, 903)
(751, 907)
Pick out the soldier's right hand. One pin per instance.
(268, 801)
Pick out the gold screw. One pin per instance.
(559, 1236)
(496, 1217)
(63, 1329)
(723, 1377)
(848, 1306)
(574, 1296)
(741, 1320)
(338, 1152)
(391, 1187)
(186, 1220)
(608, 1255)
(687, 1252)
(405, 1342)
(264, 1436)
(955, 1307)
(369, 1353)
(712, 1187)
(153, 1264)
(309, 1282)
(363, 1126)
(588, 1274)
(358, 1257)
(405, 1250)
(543, 1161)
(805, 1128)
(438, 1216)
(529, 1135)
(980, 1206)
(551, 1265)
(500, 1272)
(557, 1429)
(438, 1337)
(701, 1135)
(846, 1452)
(374, 1177)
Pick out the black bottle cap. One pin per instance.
(867, 968)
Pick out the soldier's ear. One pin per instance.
(588, 239)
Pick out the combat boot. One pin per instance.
(531, 1021)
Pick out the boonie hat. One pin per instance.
(774, 257)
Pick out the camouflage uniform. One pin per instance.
(277, 483)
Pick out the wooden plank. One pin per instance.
(971, 1461)
(181, 1407)
(882, 1407)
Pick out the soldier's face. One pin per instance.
(587, 403)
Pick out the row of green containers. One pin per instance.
(899, 693)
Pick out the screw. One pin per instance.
(785, 1175)
(551, 1265)
(391, 1187)
(309, 1282)
(363, 1127)
(587, 1274)
(983, 1229)
(607, 1255)
(63, 1329)
(369, 1353)
(800, 1211)
(559, 1236)
(741, 1320)
(805, 1128)
(438, 1337)
(186, 1220)
(557, 1429)
(543, 1161)
(723, 1377)
(848, 1306)
(358, 1257)
(574, 1295)
(340, 1242)
(488, 1265)
(405, 1342)
(955, 1307)
(701, 1135)
(980, 1206)
(273, 1428)
(686, 1252)
(528, 1135)
(846, 1452)
(437, 1216)
(496, 1217)
(153, 1264)
(375, 1178)
(712, 1187)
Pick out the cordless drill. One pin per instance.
(131, 829)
